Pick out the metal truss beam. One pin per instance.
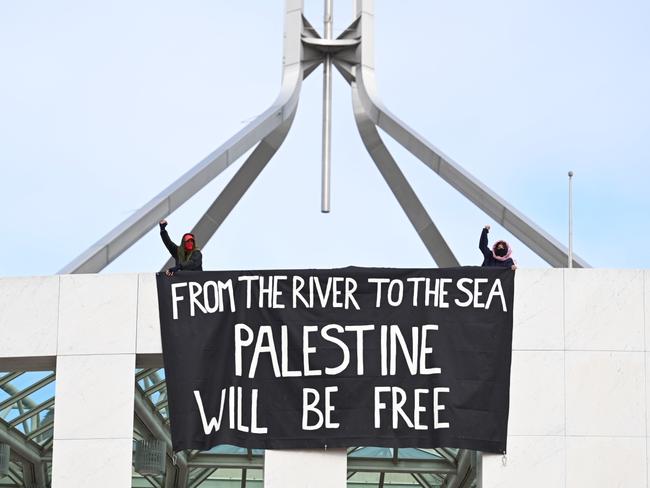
(14, 475)
(32, 412)
(226, 461)
(444, 452)
(9, 377)
(34, 434)
(243, 478)
(415, 467)
(153, 389)
(22, 395)
(146, 373)
(399, 185)
(208, 460)
(375, 465)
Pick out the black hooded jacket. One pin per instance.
(187, 261)
(488, 258)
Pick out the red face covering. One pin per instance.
(188, 242)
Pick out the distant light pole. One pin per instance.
(570, 219)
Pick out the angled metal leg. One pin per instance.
(238, 185)
(415, 211)
(540, 242)
(109, 247)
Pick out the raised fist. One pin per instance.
(487, 227)
(162, 224)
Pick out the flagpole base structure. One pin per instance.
(352, 53)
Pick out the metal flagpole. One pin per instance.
(570, 219)
(327, 112)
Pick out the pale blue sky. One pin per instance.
(103, 104)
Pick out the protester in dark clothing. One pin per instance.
(499, 255)
(187, 256)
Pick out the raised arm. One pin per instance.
(483, 242)
(171, 247)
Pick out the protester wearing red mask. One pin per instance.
(187, 256)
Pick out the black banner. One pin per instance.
(338, 358)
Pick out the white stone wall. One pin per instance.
(578, 395)
(86, 326)
(578, 414)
